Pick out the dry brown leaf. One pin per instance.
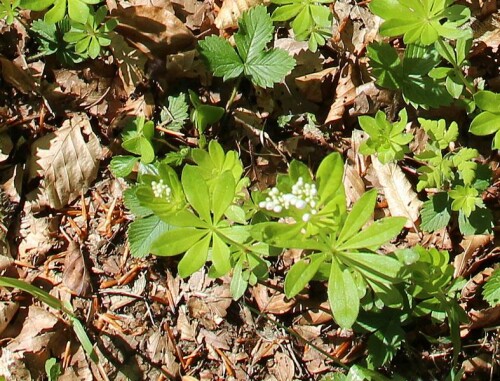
(284, 368)
(354, 185)
(310, 84)
(17, 77)
(7, 312)
(76, 275)
(68, 160)
(470, 245)
(130, 61)
(270, 301)
(401, 198)
(153, 30)
(345, 92)
(5, 146)
(231, 11)
(487, 33)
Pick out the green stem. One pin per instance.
(457, 68)
(232, 97)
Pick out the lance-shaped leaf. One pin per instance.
(342, 296)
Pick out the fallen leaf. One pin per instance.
(5, 146)
(231, 11)
(68, 160)
(284, 368)
(7, 312)
(130, 62)
(153, 30)
(470, 245)
(17, 76)
(270, 301)
(345, 92)
(402, 200)
(76, 275)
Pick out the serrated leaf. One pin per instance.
(263, 67)
(122, 165)
(436, 213)
(491, 289)
(401, 198)
(67, 160)
(143, 232)
(221, 58)
(174, 115)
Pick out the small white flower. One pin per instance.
(300, 204)
(306, 217)
(277, 209)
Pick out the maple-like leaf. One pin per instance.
(263, 67)
(68, 160)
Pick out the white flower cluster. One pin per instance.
(304, 197)
(161, 190)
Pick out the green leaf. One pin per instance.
(195, 257)
(52, 369)
(220, 57)
(175, 114)
(263, 67)
(358, 216)
(384, 344)
(220, 256)
(177, 241)
(204, 115)
(84, 339)
(465, 199)
(329, 177)
(488, 101)
(480, 221)
(436, 212)
(143, 232)
(301, 273)
(487, 123)
(386, 65)
(342, 296)
(196, 191)
(38, 293)
(379, 268)
(491, 289)
(121, 166)
(238, 283)
(421, 21)
(375, 235)
(223, 194)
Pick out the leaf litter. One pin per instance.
(146, 321)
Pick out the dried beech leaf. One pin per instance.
(153, 30)
(76, 275)
(284, 368)
(470, 245)
(345, 93)
(68, 160)
(231, 10)
(7, 312)
(402, 200)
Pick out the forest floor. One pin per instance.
(145, 321)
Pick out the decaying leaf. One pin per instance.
(231, 10)
(5, 146)
(270, 301)
(7, 312)
(402, 200)
(470, 245)
(153, 30)
(76, 275)
(345, 92)
(17, 77)
(67, 160)
(284, 368)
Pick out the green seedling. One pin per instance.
(78, 10)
